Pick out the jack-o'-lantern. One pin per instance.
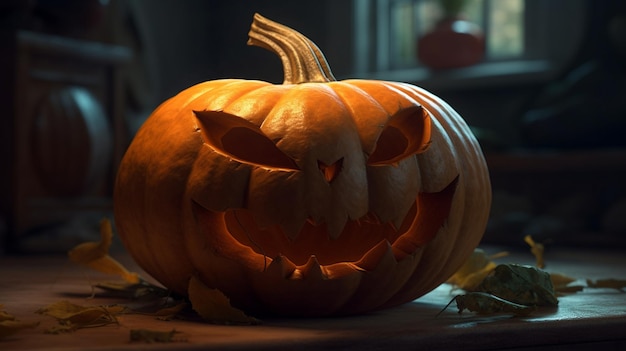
(312, 197)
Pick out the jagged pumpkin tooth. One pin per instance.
(312, 270)
(381, 254)
(336, 225)
(281, 266)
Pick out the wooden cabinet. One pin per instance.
(62, 129)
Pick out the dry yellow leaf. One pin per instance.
(74, 316)
(213, 306)
(95, 255)
(474, 270)
(537, 249)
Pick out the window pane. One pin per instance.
(473, 11)
(505, 37)
(429, 12)
(501, 20)
(403, 33)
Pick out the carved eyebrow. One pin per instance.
(407, 133)
(241, 140)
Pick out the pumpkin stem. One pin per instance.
(302, 60)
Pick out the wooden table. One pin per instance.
(593, 318)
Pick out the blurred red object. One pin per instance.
(452, 43)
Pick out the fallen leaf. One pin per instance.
(140, 290)
(213, 306)
(568, 289)
(484, 303)
(474, 270)
(72, 316)
(520, 284)
(537, 249)
(618, 284)
(171, 312)
(95, 255)
(559, 279)
(166, 309)
(561, 283)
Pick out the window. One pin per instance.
(501, 20)
(525, 39)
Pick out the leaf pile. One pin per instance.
(512, 288)
(210, 304)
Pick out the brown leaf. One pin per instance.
(171, 312)
(93, 250)
(77, 316)
(561, 283)
(95, 255)
(559, 279)
(610, 283)
(213, 306)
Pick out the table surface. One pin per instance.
(588, 319)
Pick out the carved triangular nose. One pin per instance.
(330, 172)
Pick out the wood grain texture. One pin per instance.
(592, 318)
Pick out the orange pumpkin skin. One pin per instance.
(307, 199)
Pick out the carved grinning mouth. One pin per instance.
(363, 243)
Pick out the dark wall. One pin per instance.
(178, 43)
(198, 40)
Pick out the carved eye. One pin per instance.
(241, 140)
(407, 133)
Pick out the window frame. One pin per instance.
(545, 23)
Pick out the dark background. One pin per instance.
(565, 187)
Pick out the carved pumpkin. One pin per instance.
(314, 197)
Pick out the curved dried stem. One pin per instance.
(302, 60)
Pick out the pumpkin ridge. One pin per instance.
(342, 89)
(219, 98)
(256, 105)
